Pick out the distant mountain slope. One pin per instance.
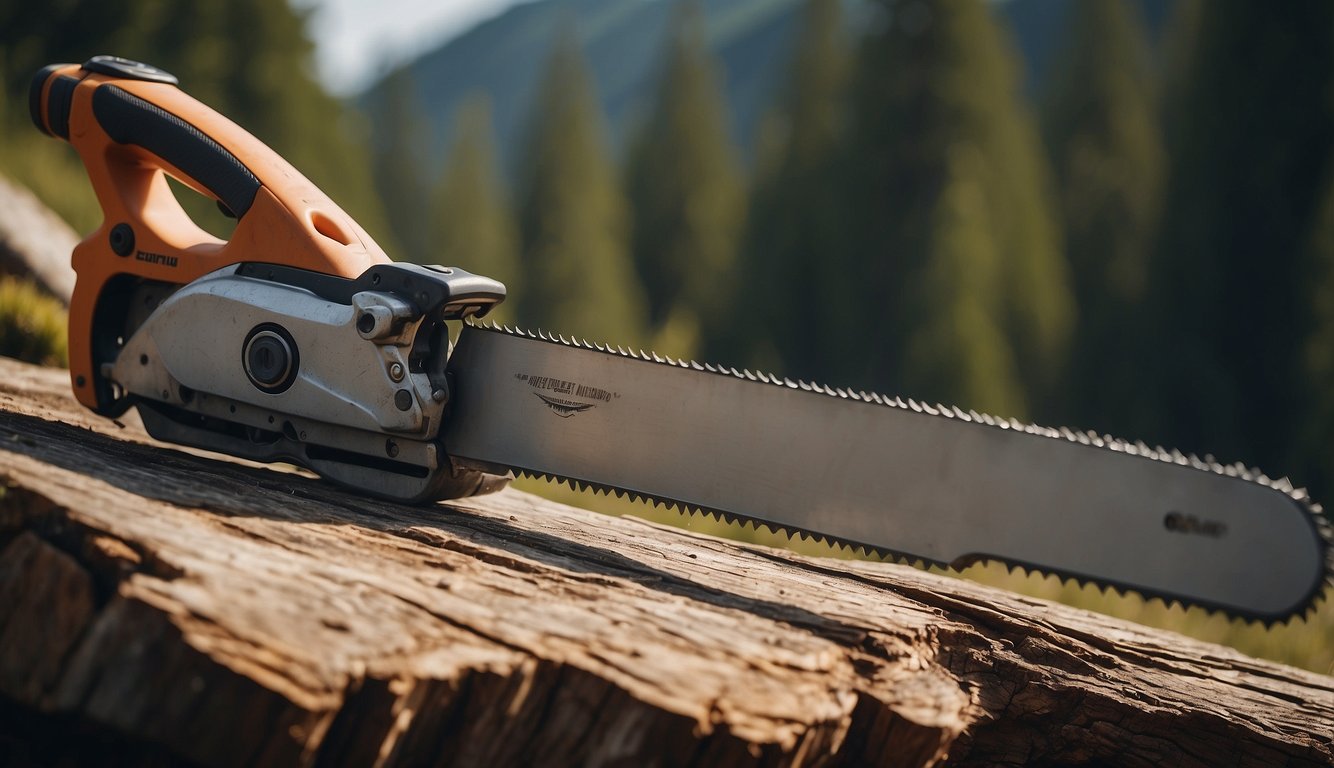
(623, 40)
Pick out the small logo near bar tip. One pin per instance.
(1181, 522)
(563, 408)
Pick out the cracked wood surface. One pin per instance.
(162, 605)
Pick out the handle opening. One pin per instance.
(329, 228)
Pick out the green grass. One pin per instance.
(1307, 643)
(32, 324)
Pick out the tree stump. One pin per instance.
(163, 605)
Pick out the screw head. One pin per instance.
(122, 239)
(396, 371)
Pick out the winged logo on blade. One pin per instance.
(563, 408)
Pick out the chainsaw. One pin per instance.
(298, 340)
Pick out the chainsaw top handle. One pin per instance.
(133, 127)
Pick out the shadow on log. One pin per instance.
(164, 606)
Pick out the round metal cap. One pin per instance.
(270, 358)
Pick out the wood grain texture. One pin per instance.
(164, 605)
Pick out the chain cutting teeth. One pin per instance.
(1208, 463)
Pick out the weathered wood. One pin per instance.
(34, 241)
(157, 604)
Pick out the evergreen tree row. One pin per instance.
(1149, 251)
(897, 234)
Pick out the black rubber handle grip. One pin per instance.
(128, 119)
(55, 121)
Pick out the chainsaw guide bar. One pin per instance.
(533, 403)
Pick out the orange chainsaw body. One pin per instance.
(133, 127)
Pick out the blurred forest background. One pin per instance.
(1108, 214)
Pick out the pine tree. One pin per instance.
(791, 304)
(1179, 40)
(684, 185)
(1039, 308)
(4, 103)
(1253, 141)
(958, 345)
(934, 83)
(473, 228)
(1312, 454)
(277, 98)
(400, 144)
(577, 274)
(1106, 148)
(260, 79)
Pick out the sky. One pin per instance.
(357, 40)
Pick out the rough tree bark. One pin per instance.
(161, 605)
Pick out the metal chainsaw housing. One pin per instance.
(363, 388)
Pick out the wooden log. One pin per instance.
(34, 241)
(164, 605)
